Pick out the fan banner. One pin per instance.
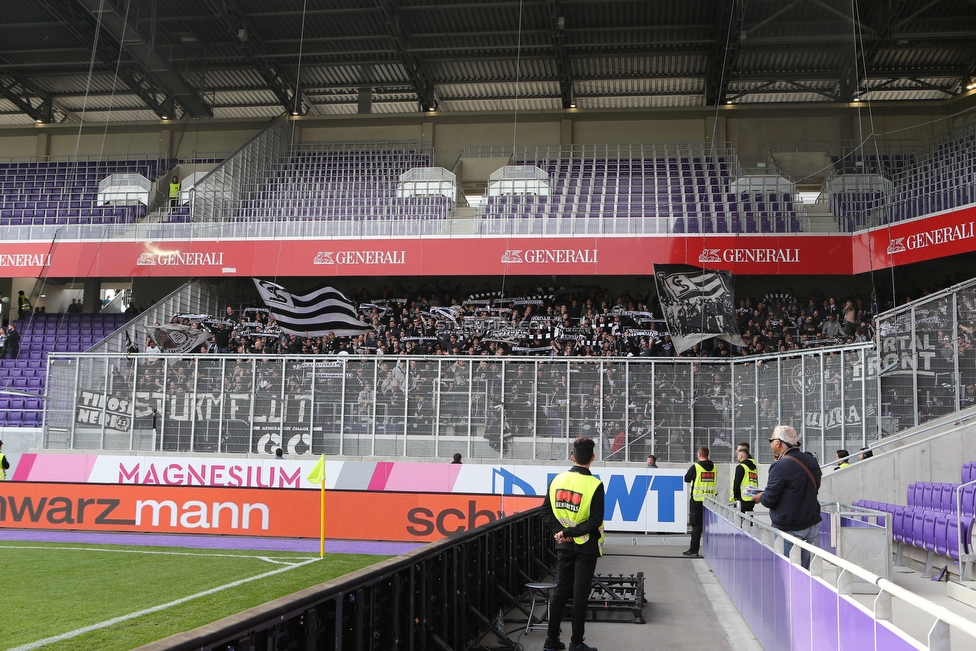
(697, 305)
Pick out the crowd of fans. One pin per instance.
(585, 322)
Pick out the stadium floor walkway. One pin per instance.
(687, 609)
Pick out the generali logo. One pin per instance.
(25, 260)
(934, 237)
(180, 259)
(544, 256)
(750, 255)
(896, 245)
(360, 257)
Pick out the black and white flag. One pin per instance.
(697, 305)
(316, 314)
(178, 338)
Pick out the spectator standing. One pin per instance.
(791, 491)
(744, 477)
(12, 346)
(279, 454)
(865, 454)
(457, 458)
(575, 509)
(702, 478)
(651, 461)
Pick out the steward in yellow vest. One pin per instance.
(842, 455)
(4, 464)
(575, 510)
(745, 476)
(174, 192)
(702, 477)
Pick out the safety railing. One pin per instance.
(779, 600)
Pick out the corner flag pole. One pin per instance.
(317, 476)
(322, 517)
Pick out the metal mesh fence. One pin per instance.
(505, 408)
(926, 359)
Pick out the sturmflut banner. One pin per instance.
(697, 304)
(318, 313)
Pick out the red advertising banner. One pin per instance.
(283, 513)
(791, 254)
(917, 240)
(620, 256)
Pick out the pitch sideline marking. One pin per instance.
(138, 551)
(147, 611)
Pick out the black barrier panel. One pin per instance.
(424, 600)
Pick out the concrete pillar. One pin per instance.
(427, 137)
(43, 144)
(566, 132)
(92, 299)
(365, 100)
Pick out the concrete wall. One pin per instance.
(936, 455)
(749, 128)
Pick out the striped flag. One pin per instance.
(697, 304)
(316, 314)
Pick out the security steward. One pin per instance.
(174, 192)
(575, 510)
(843, 459)
(4, 464)
(702, 477)
(746, 476)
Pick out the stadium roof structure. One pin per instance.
(123, 60)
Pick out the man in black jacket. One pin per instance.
(791, 491)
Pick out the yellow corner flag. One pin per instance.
(317, 476)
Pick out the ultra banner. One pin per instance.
(637, 499)
(248, 512)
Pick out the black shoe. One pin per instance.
(582, 646)
(553, 645)
(689, 553)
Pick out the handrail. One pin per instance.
(939, 612)
(939, 422)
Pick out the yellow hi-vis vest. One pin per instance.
(174, 190)
(704, 485)
(750, 477)
(571, 494)
(3, 473)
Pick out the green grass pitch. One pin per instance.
(54, 590)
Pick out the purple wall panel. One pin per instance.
(782, 612)
(888, 640)
(824, 603)
(856, 625)
(801, 610)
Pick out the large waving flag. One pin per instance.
(697, 304)
(176, 338)
(316, 314)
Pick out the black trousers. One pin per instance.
(695, 510)
(574, 576)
